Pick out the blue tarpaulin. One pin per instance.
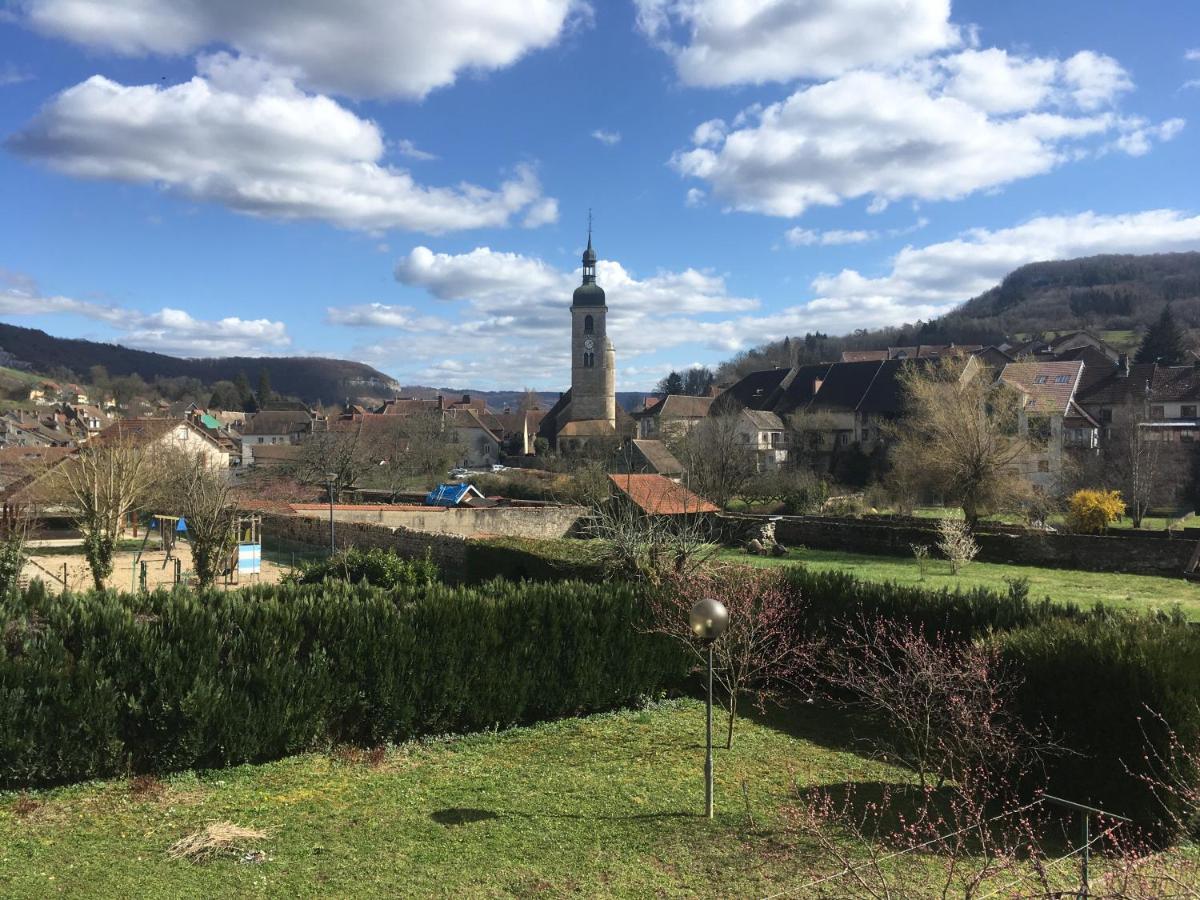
(448, 494)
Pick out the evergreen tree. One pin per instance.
(264, 388)
(245, 395)
(697, 381)
(1164, 343)
(672, 384)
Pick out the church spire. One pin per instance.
(589, 256)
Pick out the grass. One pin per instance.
(1141, 593)
(600, 806)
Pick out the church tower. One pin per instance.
(593, 359)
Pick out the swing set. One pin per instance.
(244, 559)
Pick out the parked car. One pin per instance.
(496, 467)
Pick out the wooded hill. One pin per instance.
(1115, 294)
(310, 379)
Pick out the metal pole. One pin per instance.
(1086, 853)
(708, 759)
(332, 543)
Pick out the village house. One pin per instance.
(1051, 418)
(656, 495)
(647, 457)
(274, 426)
(168, 436)
(670, 417)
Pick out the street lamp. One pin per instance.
(330, 478)
(708, 620)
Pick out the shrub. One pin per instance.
(956, 542)
(1091, 512)
(517, 558)
(376, 566)
(1099, 686)
(97, 684)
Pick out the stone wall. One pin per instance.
(504, 521)
(449, 552)
(1136, 554)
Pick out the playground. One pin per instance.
(156, 555)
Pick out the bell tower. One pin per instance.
(593, 359)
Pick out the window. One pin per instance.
(1043, 465)
(843, 438)
(1061, 379)
(866, 434)
(1156, 412)
(589, 360)
(1106, 415)
(589, 326)
(1039, 379)
(1187, 411)
(1039, 429)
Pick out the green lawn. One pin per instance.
(600, 806)
(1137, 592)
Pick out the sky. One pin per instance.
(408, 184)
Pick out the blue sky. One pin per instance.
(407, 183)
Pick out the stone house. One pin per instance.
(671, 417)
(1051, 418)
(274, 426)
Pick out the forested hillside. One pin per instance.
(1116, 293)
(306, 378)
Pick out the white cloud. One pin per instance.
(694, 197)
(1192, 55)
(937, 130)
(10, 74)
(723, 42)
(507, 319)
(168, 330)
(407, 148)
(937, 277)
(807, 237)
(607, 137)
(391, 48)
(542, 212)
(243, 135)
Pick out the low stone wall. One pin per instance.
(503, 521)
(1140, 554)
(449, 552)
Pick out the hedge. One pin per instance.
(517, 558)
(98, 684)
(828, 598)
(1097, 686)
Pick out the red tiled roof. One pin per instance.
(660, 496)
(1050, 386)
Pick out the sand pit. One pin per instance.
(160, 570)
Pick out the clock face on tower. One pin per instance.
(588, 344)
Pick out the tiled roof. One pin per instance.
(587, 428)
(681, 406)
(657, 495)
(763, 420)
(1049, 386)
(658, 457)
(407, 406)
(1113, 386)
(277, 421)
(864, 355)
(845, 384)
(1175, 383)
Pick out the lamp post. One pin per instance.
(330, 478)
(708, 619)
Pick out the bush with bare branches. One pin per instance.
(761, 653)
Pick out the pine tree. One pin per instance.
(1165, 342)
(672, 384)
(245, 395)
(264, 388)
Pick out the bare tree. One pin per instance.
(430, 448)
(718, 459)
(204, 497)
(104, 483)
(946, 707)
(339, 455)
(1145, 471)
(761, 652)
(960, 438)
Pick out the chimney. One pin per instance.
(817, 382)
(1123, 365)
(441, 402)
(466, 399)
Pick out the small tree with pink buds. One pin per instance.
(761, 653)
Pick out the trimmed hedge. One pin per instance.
(378, 567)
(831, 597)
(1096, 685)
(98, 684)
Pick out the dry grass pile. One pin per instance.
(218, 839)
